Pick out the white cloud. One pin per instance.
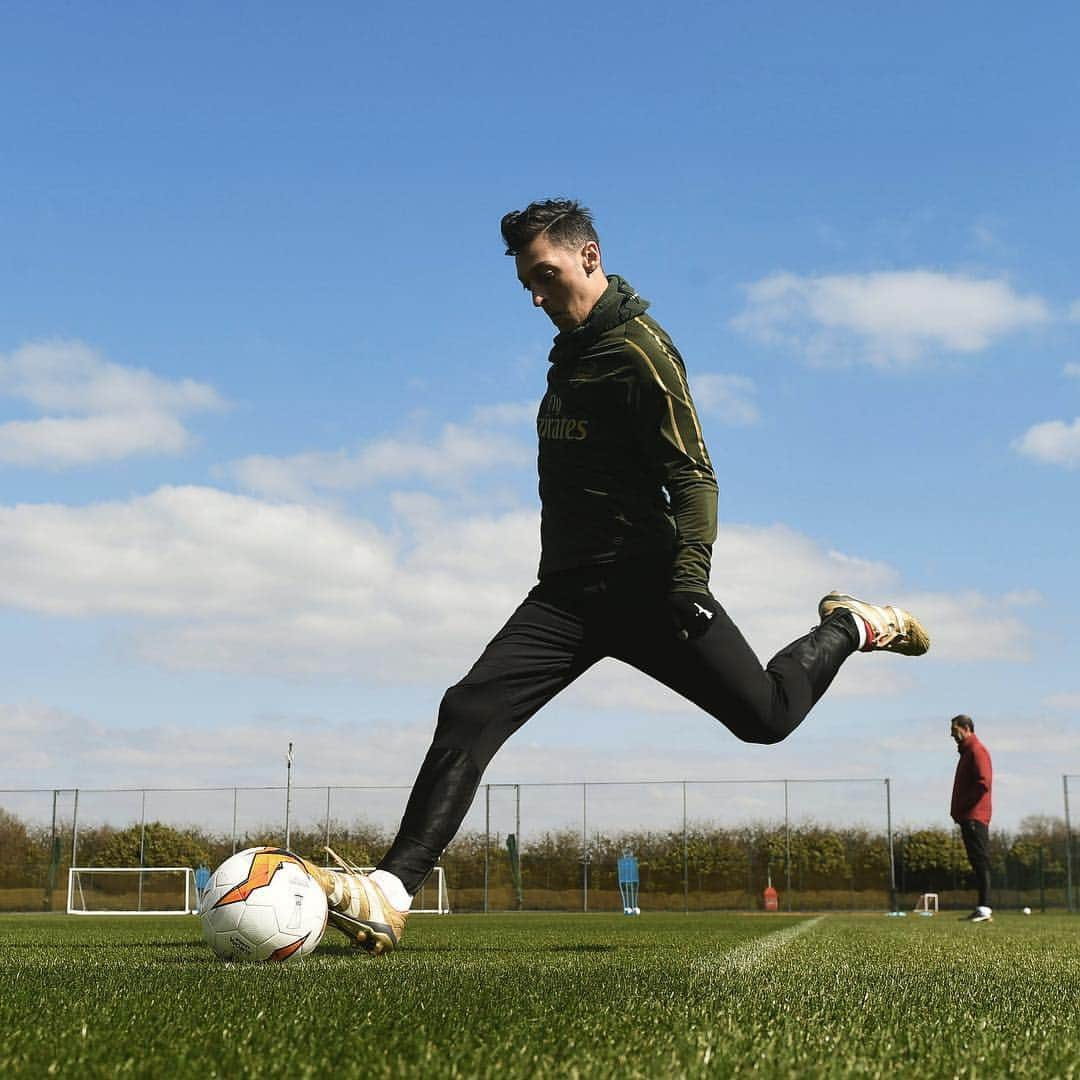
(1062, 701)
(885, 318)
(185, 551)
(33, 735)
(970, 626)
(49, 747)
(230, 583)
(221, 582)
(1053, 442)
(97, 410)
(1024, 598)
(506, 414)
(461, 451)
(1057, 743)
(728, 397)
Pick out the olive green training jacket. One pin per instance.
(624, 473)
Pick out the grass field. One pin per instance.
(553, 995)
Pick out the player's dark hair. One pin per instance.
(566, 222)
(963, 721)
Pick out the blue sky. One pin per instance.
(267, 380)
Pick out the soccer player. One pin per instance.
(970, 807)
(628, 518)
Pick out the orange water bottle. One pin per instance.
(772, 901)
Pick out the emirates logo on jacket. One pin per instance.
(551, 424)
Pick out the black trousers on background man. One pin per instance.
(565, 625)
(976, 837)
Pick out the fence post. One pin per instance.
(1042, 878)
(487, 840)
(584, 847)
(142, 844)
(288, 800)
(685, 858)
(54, 857)
(1068, 846)
(517, 838)
(327, 815)
(787, 845)
(892, 858)
(235, 796)
(75, 828)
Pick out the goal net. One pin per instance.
(927, 904)
(432, 899)
(132, 890)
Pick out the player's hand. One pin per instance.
(692, 613)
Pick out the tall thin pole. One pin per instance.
(892, 859)
(142, 832)
(142, 845)
(1068, 847)
(288, 798)
(584, 847)
(487, 841)
(327, 815)
(235, 797)
(75, 829)
(685, 858)
(54, 857)
(787, 844)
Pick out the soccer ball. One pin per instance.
(262, 904)
(1027, 911)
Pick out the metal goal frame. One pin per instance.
(191, 895)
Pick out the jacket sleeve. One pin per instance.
(671, 433)
(981, 772)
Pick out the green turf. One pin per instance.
(552, 995)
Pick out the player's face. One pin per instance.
(957, 733)
(565, 282)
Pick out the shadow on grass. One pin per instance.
(102, 946)
(472, 949)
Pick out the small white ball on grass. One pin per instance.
(1027, 911)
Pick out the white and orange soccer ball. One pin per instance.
(262, 904)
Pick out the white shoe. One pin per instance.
(359, 908)
(889, 628)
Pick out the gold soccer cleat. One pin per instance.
(358, 907)
(889, 628)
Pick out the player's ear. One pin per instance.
(590, 256)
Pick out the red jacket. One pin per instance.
(971, 786)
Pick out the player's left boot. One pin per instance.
(359, 908)
(889, 628)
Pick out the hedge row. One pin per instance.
(704, 859)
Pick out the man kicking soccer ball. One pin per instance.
(628, 500)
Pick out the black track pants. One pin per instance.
(976, 838)
(565, 625)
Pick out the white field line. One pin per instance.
(750, 954)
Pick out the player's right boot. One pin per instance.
(358, 907)
(890, 628)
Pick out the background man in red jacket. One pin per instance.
(971, 807)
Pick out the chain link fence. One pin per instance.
(1071, 862)
(827, 844)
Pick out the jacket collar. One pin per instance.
(619, 304)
